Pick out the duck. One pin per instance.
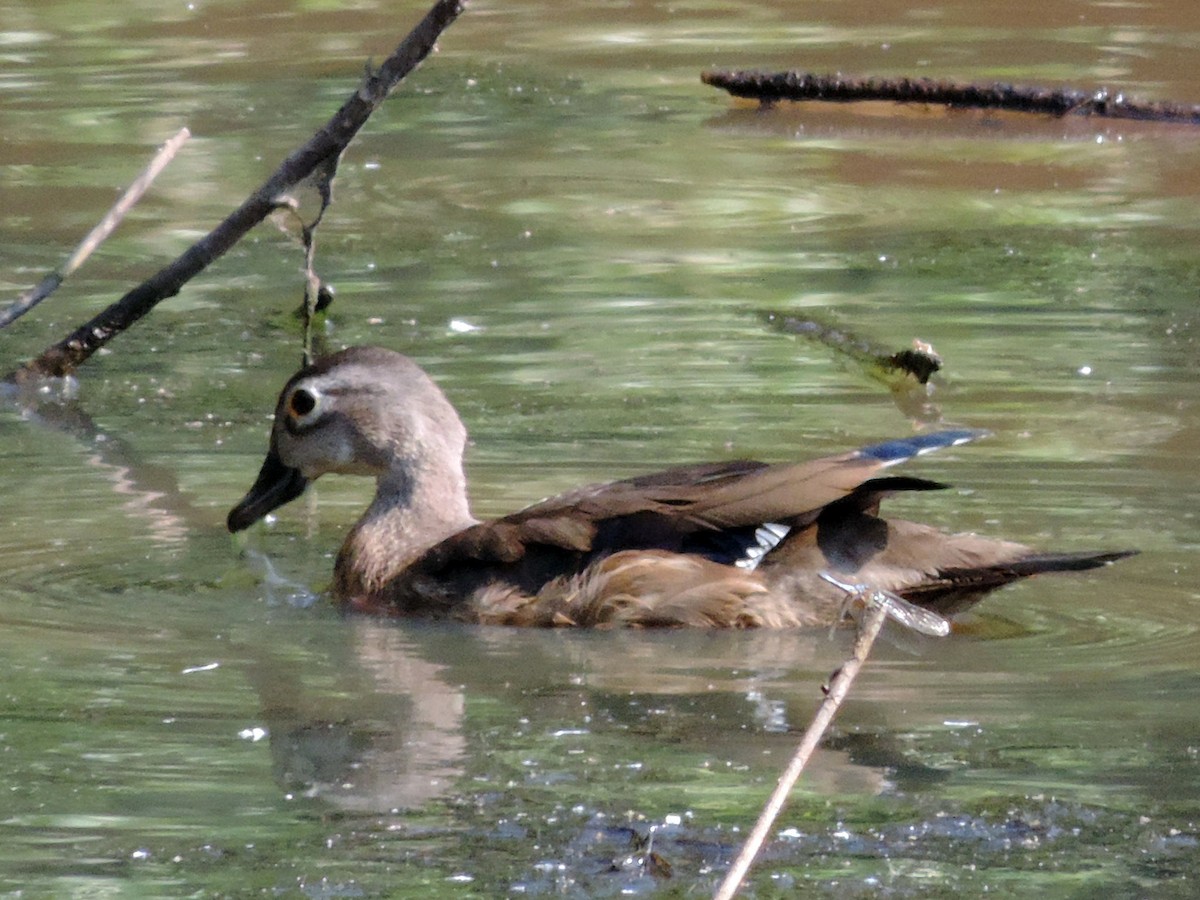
(729, 544)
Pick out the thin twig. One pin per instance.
(839, 687)
(326, 145)
(769, 87)
(97, 235)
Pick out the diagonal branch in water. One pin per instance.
(321, 150)
(770, 87)
(97, 235)
(839, 687)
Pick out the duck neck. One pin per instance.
(417, 504)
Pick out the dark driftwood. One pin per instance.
(321, 152)
(772, 87)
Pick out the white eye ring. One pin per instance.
(303, 405)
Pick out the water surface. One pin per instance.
(180, 715)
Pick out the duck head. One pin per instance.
(363, 411)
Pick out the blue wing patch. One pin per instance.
(901, 449)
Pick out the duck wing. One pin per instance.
(714, 510)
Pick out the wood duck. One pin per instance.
(725, 544)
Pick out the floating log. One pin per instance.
(772, 87)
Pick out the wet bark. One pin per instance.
(773, 87)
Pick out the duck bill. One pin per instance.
(276, 485)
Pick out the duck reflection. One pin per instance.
(392, 740)
(393, 734)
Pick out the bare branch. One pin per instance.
(322, 149)
(839, 687)
(97, 235)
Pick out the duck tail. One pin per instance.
(958, 588)
(1036, 563)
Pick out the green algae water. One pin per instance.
(582, 244)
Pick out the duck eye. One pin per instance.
(301, 403)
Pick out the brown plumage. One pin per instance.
(687, 546)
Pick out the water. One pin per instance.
(179, 715)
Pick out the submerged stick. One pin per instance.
(905, 372)
(325, 146)
(97, 235)
(918, 362)
(771, 87)
(839, 687)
